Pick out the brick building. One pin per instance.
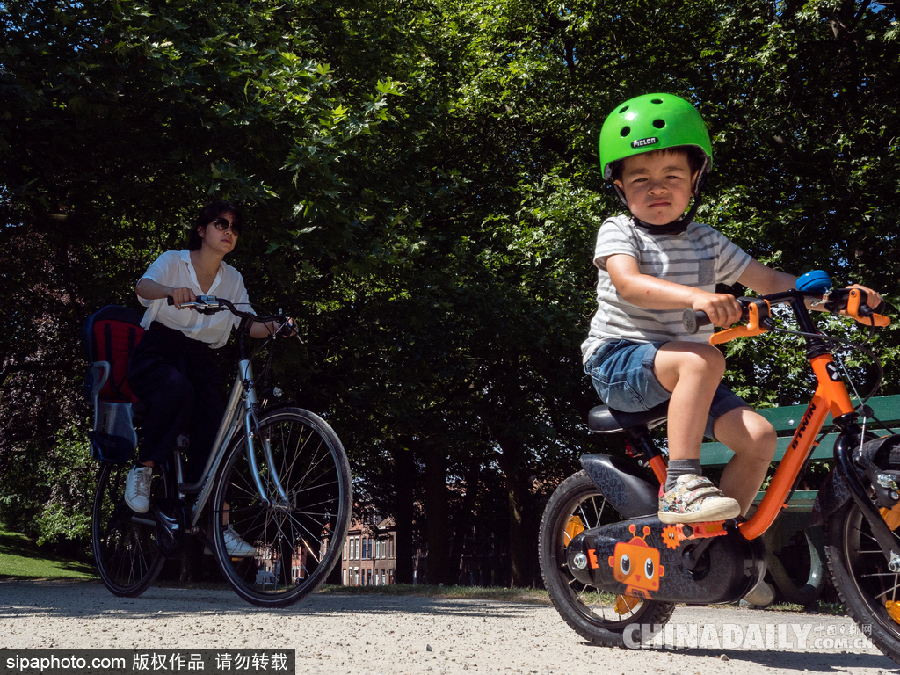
(370, 552)
(369, 556)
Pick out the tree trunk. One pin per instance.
(436, 515)
(522, 533)
(404, 479)
(462, 525)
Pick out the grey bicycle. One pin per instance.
(277, 476)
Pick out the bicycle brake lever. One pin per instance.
(859, 310)
(758, 321)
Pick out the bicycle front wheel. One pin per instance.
(279, 530)
(125, 549)
(863, 579)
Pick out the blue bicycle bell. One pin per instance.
(816, 281)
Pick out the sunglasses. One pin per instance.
(223, 224)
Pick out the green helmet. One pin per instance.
(653, 122)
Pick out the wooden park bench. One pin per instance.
(793, 529)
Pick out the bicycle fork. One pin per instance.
(251, 427)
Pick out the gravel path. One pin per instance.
(389, 635)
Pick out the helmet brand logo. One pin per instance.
(644, 142)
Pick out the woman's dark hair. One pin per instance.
(208, 214)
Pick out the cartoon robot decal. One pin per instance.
(636, 565)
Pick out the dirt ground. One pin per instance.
(336, 634)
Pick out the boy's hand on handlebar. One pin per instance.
(837, 301)
(721, 308)
(873, 298)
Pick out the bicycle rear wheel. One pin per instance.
(598, 616)
(128, 558)
(297, 526)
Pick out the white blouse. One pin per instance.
(174, 268)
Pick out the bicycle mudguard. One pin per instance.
(623, 483)
(883, 453)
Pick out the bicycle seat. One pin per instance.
(605, 420)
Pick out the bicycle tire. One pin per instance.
(308, 529)
(124, 543)
(594, 614)
(861, 576)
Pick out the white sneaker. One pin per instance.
(137, 489)
(236, 546)
(695, 500)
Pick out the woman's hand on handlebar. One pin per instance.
(274, 329)
(152, 290)
(722, 309)
(181, 296)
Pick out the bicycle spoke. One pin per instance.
(290, 536)
(124, 545)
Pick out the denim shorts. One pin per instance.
(622, 374)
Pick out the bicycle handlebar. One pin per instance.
(210, 304)
(755, 310)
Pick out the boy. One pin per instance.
(652, 265)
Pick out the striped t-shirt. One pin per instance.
(701, 257)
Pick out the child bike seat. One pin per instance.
(605, 420)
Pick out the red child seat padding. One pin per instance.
(111, 334)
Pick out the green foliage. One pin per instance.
(422, 192)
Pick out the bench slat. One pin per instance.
(801, 500)
(715, 454)
(786, 419)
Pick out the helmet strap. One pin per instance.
(676, 226)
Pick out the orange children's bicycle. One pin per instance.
(614, 571)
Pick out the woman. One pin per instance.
(171, 370)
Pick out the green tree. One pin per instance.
(423, 183)
(119, 120)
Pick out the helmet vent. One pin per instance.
(656, 101)
(625, 131)
(624, 109)
(659, 124)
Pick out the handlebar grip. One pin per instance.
(200, 299)
(693, 321)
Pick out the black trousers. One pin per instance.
(178, 382)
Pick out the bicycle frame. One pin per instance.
(831, 396)
(241, 416)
